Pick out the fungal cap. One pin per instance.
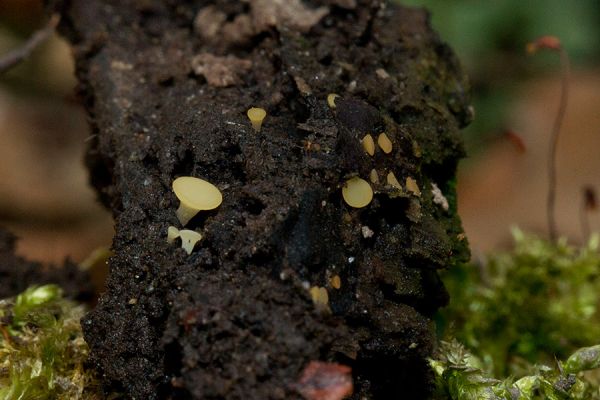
(172, 234)
(412, 186)
(373, 176)
(368, 144)
(320, 298)
(385, 143)
(357, 192)
(331, 99)
(189, 239)
(392, 181)
(256, 116)
(335, 282)
(195, 195)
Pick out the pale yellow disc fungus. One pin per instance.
(357, 192)
(189, 239)
(331, 99)
(374, 176)
(385, 143)
(368, 144)
(320, 298)
(257, 116)
(411, 186)
(195, 195)
(335, 282)
(392, 181)
(172, 234)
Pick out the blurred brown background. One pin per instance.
(45, 198)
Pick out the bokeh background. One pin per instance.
(45, 198)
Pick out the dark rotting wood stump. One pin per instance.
(167, 85)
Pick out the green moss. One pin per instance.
(521, 309)
(459, 376)
(42, 350)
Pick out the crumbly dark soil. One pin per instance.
(17, 274)
(234, 320)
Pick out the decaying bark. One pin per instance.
(167, 85)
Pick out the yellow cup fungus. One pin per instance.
(368, 144)
(172, 234)
(385, 143)
(411, 186)
(189, 239)
(195, 195)
(335, 282)
(257, 116)
(373, 176)
(392, 181)
(320, 298)
(357, 192)
(331, 99)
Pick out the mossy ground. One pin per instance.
(517, 314)
(42, 351)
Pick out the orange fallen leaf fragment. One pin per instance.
(325, 381)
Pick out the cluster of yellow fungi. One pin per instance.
(195, 195)
(356, 191)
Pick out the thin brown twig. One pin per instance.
(17, 55)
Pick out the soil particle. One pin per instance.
(220, 71)
(235, 320)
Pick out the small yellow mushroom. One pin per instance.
(373, 176)
(331, 99)
(195, 195)
(392, 181)
(189, 239)
(172, 234)
(320, 298)
(412, 186)
(368, 144)
(335, 282)
(357, 192)
(385, 143)
(97, 259)
(257, 116)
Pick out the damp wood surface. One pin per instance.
(167, 85)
